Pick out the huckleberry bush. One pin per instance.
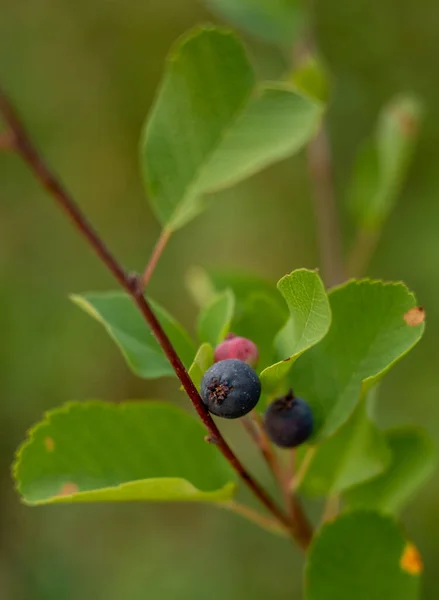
(305, 356)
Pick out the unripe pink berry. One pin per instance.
(239, 348)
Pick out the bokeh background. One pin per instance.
(83, 72)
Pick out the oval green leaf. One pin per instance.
(246, 285)
(309, 322)
(383, 162)
(215, 319)
(357, 452)
(202, 361)
(212, 125)
(100, 452)
(260, 320)
(362, 555)
(413, 461)
(126, 326)
(369, 334)
(275, 21)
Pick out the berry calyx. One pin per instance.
(237, 347)
(288, 421)
(230, 388)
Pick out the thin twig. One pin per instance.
(290, 493)
(325, 209)
(6, 140)
(29, 154)
(321, 174)
(290, 470)
(251, 425)
(271, 525)
(302, 470)
(362, 251)
(155, 256)
(301, 524)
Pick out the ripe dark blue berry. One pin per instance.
(288, 421)
(230, 388)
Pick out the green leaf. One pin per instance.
(260, 320)
(212, 125)
(275, 21)
(413, 461)
(260, 311)
(124, 323)
(357, 452)
(215, 319)
(382, 163)
(368, 336)
(99, 452)
(311, 78)
(245, 286)
(309, 322)
(362, 555)
(203, 360)
(200, 286)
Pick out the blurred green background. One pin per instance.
(83, 73)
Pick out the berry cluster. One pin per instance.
(231, 388)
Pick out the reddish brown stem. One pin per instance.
(25, 148)
(155, 256)
(6, 140)
(302, 526)
(253, 426)
(328, 228)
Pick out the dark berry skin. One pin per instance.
(288, 421)
(237, 347)
(230, 388)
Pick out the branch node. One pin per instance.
(135, 284)
(210, 439)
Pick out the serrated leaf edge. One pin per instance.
(365, 382)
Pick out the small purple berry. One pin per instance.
(230, 388)
(288, 421)
(237, 347)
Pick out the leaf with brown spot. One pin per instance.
(49, 444)
(415, 316)
(367, 338)
(358, 556)
(411, 560)
(68, 489)
(136, 451)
